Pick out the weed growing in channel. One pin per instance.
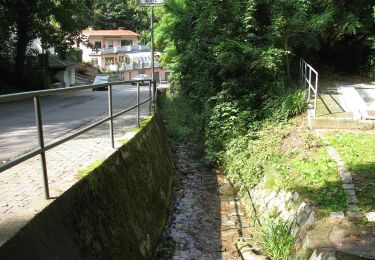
(276, 239)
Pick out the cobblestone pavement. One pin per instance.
(21, 187)
(208, 218)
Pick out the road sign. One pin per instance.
(151, 2)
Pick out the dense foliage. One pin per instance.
(239, 59)
(120, 13)
(58, 24)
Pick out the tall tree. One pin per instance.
(56, 22)
(120, 13)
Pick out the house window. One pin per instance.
(126, 42)
(109, 61)
(97, 45)
(110, 43)
(95, 61)
(121, 59)
(127, 60)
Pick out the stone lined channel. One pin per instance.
(208, 218)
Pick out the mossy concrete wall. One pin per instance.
(118, 211)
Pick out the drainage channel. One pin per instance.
(208, 218)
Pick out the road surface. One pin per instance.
(62, 114)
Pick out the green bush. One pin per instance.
(74, 54)
(287, 104)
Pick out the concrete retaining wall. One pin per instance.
(267, 204)
(118, 211)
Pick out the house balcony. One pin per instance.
(121, 49)
(137, 66)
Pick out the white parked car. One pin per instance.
(100, 79)
(141, 77)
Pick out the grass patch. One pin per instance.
(276, 239)
(184, 119)
(84, 172)
(358, 152)
(291, 158)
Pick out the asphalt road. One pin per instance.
(62, 114)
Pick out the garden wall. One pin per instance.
(117, 211)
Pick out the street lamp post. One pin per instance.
(152, 3)
(153, 54)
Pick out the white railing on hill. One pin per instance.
(310, 79)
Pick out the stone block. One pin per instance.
(354, 214)
(295, 196)
(352, 207)
(346, 124)
(248, 252)
(323, 123)
(370, 216)
(349, 192)
(311, 221)
(351, 200)
(323, 254)
(346, 176)
(348, 186)
(365, 124)
(339, 214)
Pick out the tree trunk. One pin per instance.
(23, 25)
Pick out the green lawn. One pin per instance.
(304, 166)
(358, 152)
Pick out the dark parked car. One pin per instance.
(141, 77)
(100, 79)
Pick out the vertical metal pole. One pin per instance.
(305, 75)
(39, 126)
(110, 113)
(150, 97)
(309, 84)
(301, 70)
(138, 124)
(153, 56)
(316, 94)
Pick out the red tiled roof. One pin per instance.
(119, 32)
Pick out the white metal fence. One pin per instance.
(310, 79)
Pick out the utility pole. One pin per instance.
(152, 3)
(153, 54)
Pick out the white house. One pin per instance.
(102, 46)
(118, 50)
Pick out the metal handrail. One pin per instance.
(307, 72)
(35, 95)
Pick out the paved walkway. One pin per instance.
(21, 187)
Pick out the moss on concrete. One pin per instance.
(117, 211)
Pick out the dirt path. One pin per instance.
(207, 219)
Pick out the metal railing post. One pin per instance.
(309, 84)
(110, 113)
(316, 94)
(138, 123)
(301, 69)
(154, 94)
(150, 97)
(305, 74)
(39, 127)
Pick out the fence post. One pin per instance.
(39, 127)
(138, 124)
(110, 114)
(309, 84)
(150, 97)
(316, 93)
(154, 94)
(301, 69)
